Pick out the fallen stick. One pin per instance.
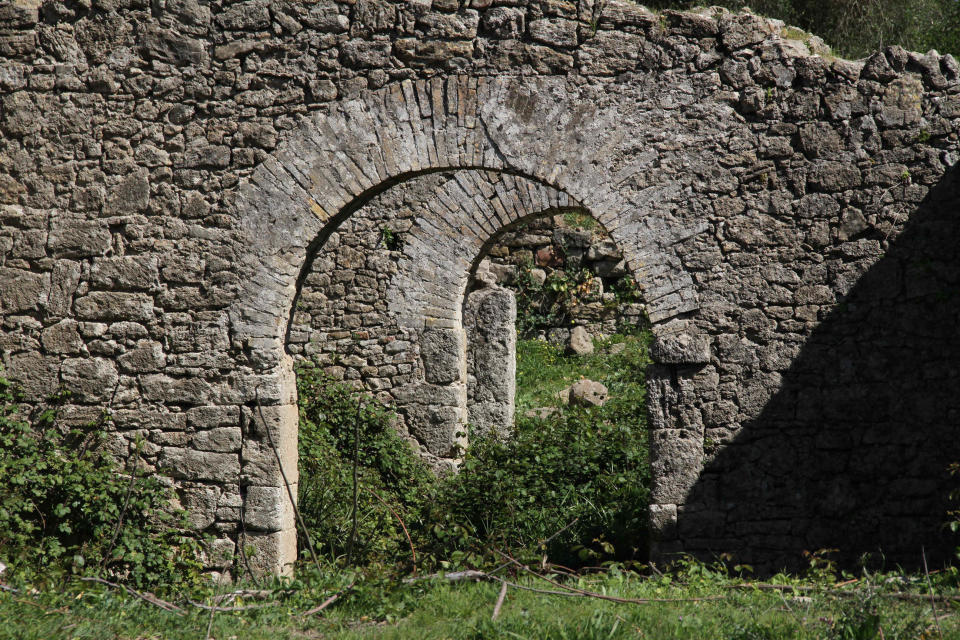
(500, 598)
(453, 576)
(589, 594)
(146, 597)
(219, 609)
(601, 596)
(326, 603)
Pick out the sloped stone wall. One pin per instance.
(169, 169)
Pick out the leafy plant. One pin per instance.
(390, 472)
(391, 239)
(626, 290)
(547, 304)
(574, 465)
(513, 495)
(67, 507)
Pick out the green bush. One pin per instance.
(575, 465)
(542, 306)
(66, 506)
(588, 465)
(389, 472)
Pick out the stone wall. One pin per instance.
(169, 170)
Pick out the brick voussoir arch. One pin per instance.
(555, 140)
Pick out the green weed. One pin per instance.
(67, 507)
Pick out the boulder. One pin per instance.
(580, 342)
(587, 393)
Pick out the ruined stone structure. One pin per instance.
(568, 244)
(169, 170)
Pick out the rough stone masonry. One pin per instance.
(169, 170)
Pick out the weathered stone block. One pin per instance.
(663, 521)
(130, 196)
(201, 505)
(106, 305)
(22, 290)
(225, 439)
(441, 430)
(443, 352)
(127, 272)
(268, 508)
(490, 316)
(461, 25)
(681, 348)
(63, 337)
(260, 466)
(36, 375)
(361, 53)
(167, 45)
(89, 378)
(19, 14)
(587, 393)
(580, 341)
(676, 458)
(178, 391)
(504, 22)
(206, 466)
(213, 417)
(147, 357)
(249, 15)
(270, 554)
(72, 238)
(556, 32)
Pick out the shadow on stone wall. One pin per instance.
(852, 451)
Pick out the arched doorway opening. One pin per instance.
(383, 305)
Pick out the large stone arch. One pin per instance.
(549, 132)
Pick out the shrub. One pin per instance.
(575, 465)
(545, 305)
(67, 507)
(588, 465)
(389, 472)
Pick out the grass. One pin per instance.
(543, 370)
(582, 221)
(708, 604)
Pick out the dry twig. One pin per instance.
(601, 596)
(219, 609)
(500, 599)
(146, 596)
(326, 603)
